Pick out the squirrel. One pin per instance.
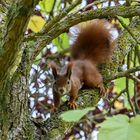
(94, 45)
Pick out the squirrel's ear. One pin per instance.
(53, 66)
(69, 70)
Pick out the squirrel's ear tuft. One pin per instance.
(69, 70)
(53, 66)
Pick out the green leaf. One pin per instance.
(46, 5)
(36, 23)
(125, 20)
(120, 85)
(62, 42)
(75, 115)
(120, 127)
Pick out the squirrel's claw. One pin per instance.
(53, 109)
(72, 104)
(102, 90)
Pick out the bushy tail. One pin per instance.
(94, 42)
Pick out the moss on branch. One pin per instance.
(55, 127)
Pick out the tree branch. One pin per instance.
(134, 78)
(55, 127)
(74, 19)
(49, 25)
(124, 73)
(59, 17)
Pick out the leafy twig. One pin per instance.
(52, 22)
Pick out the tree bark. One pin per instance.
(13, 90)
(15, 123)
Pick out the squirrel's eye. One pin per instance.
(68, 82)
(55, 83)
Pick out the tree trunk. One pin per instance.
(13, 89)
(15, 123)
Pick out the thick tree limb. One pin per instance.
(16, 24)
(55, 127)
(13, 33)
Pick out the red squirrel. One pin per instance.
(93, 46)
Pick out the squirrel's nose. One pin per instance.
(61, 90)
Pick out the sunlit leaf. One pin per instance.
(118, 105)
(134, 3)
(46, 5)
(120, 85)
(62, 42)
(120, 127)
(36, 23)
(75, 115)
(125, 20)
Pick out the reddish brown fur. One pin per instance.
(93, 42)
(92, 46)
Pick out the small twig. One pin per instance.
(128, 96)
(129, 31)
(102, 115)
(91, 4)
(135, 93)
(60, 16)
(123, 91)
(137, 53)
(127, 87)
(112, 103)
(56, 55)
(124, 73)
(134, 78)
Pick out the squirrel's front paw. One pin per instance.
(53, 109)
(102, 90)
(72, 104)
